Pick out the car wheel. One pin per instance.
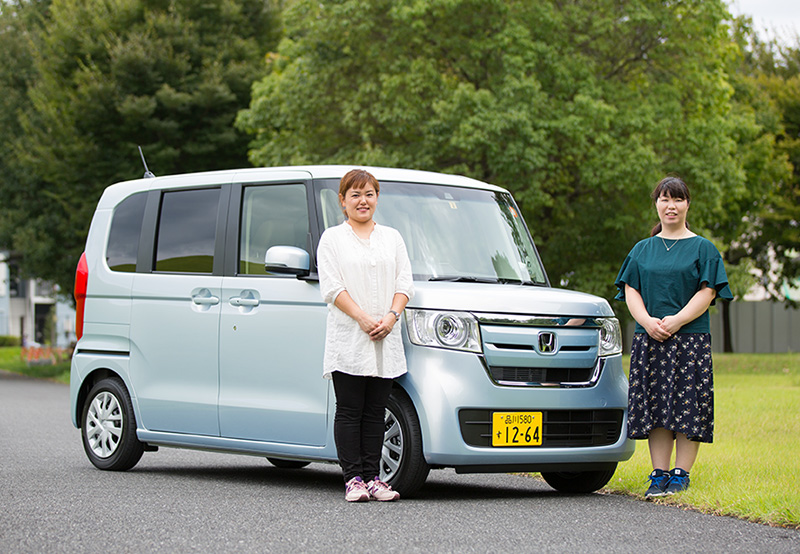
(287, 464)
(109, 427)
(579, 481)
(402, 463)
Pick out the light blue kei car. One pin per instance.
(201, 326)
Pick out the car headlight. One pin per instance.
(610, 336)
(454, 330)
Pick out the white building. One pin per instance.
(30, 308)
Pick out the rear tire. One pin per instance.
(579, 481)
(109, 427)
(402, 463)
(287, 464)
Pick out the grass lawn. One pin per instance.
(10, 361)
(751, 470)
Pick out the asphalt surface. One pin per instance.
(53, 500)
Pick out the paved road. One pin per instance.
(53, 500)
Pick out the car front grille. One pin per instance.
(542, 355)
(541, 375)
(560, 428)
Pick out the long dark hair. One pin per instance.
(674, 187)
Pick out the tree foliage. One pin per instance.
(103, 76)
(767, 82)
(577, 107)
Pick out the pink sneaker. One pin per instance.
(379, 490)
(356, 491)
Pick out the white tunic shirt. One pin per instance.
(371, 271)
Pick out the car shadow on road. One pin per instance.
(442, 485)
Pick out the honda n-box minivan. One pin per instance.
(202, 326)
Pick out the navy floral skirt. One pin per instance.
(671, 386)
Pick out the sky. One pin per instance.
(771, 18)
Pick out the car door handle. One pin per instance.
(239, 301)
(205, 300)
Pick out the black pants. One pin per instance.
(358, 427)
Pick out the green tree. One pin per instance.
(768, 83)
(19, 21)
(576, 107)
(106, 76)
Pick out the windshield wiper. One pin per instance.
(514, 282)
(463, 279)
(471, 279)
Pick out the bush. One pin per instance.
(6, 340)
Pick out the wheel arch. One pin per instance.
(91, 379)
(406, 388)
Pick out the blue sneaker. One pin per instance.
(659, 480)
(678, 481)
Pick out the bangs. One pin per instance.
(674, 187)
(358, 179)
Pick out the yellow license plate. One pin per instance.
(517, 429)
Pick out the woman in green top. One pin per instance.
(668, 282)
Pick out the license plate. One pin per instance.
(517, 429)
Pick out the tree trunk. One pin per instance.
(727, 342)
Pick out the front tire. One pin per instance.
(109, 427)
(580, 482)
(402, 463)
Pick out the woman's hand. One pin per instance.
(367, 324)
(383, 327)
(671, 324)
(655, 328)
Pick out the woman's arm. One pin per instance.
(377, 330)
(386, 324)
(652, 325)
(345, 302)
(698, 304)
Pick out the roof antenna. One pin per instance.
(147, 173)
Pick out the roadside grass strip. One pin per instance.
(751, 470)
(12, 359)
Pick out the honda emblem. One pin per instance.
(547, 343)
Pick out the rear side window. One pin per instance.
(272, 215)
(123, 239)
(187, 231)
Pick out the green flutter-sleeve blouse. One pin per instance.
(668, 279)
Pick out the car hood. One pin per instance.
(507, 299)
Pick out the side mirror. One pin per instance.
(288, 260)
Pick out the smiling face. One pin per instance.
(672, 211)
(359, 204)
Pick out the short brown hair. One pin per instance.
(357, 179)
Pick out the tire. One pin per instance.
(580, 481)
(403, 466)
(109, 427)
(287, 464)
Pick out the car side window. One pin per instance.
(272, 215)
(123, 238)
(187, 231)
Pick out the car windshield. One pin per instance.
(451, 233)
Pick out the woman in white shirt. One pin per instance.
(365, 277)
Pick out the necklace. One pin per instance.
(671, 246)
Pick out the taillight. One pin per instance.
(81, 279)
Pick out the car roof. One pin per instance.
(115, 193)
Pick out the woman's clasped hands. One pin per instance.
(662, 329)
(377, 330)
